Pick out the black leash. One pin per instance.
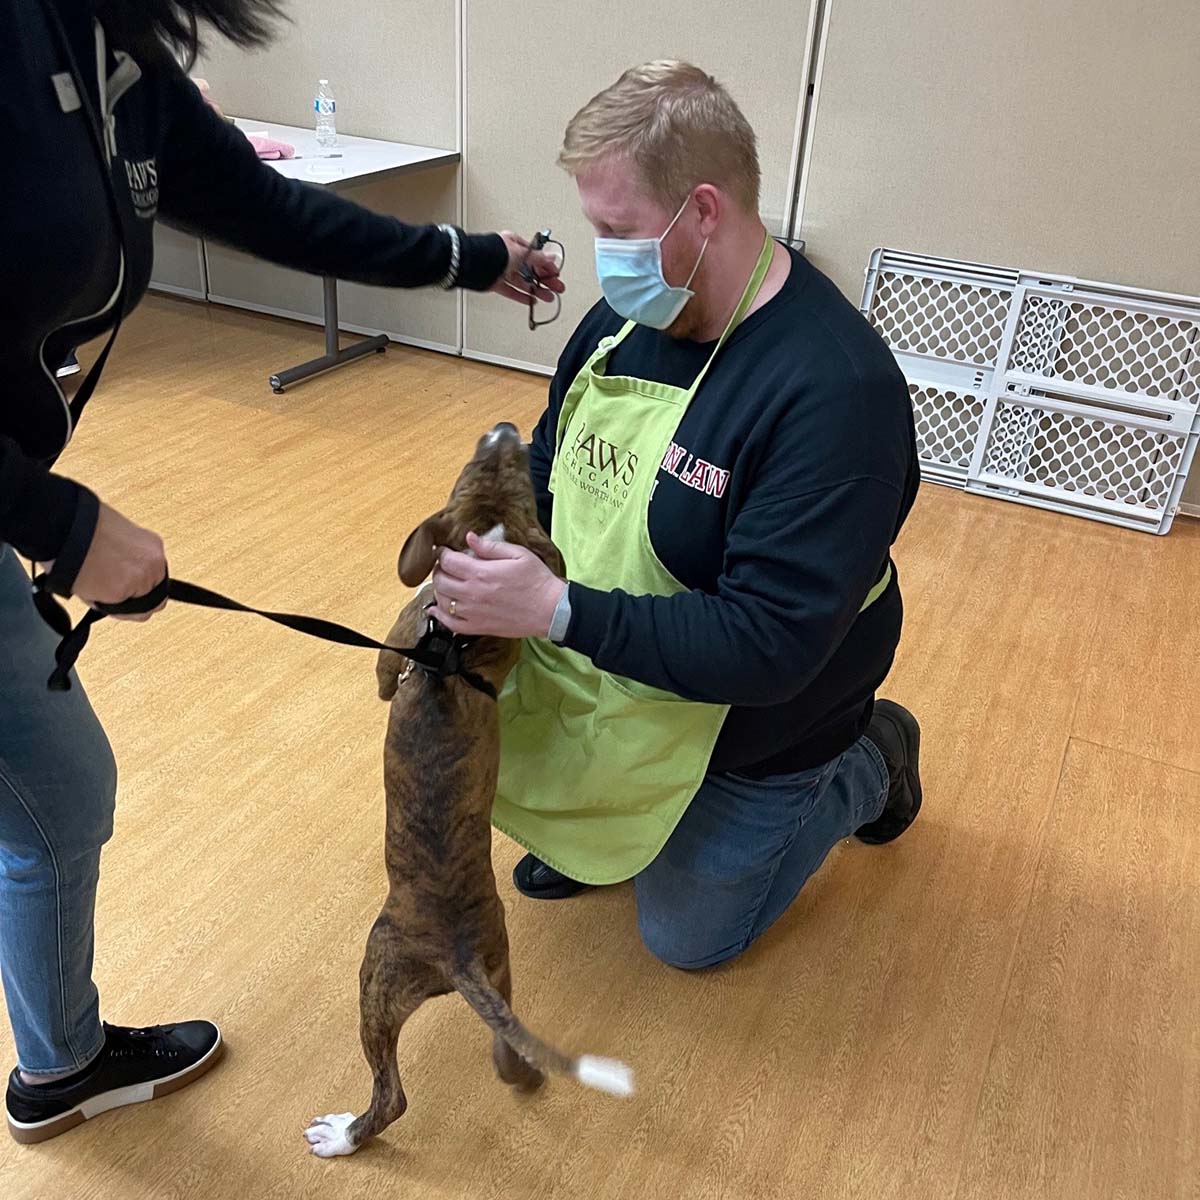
(439, 653)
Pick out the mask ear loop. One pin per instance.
(700, 257)
(682, 210)
(697, 266)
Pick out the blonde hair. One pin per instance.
(679, 127)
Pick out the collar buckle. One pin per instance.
(444, 648)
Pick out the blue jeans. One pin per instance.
(58, 784)
(743, 851)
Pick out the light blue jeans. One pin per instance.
(743, 851)
(58, 785)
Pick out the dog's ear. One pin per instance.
(546, 550)
(418, 554)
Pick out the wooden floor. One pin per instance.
(1004, 1004)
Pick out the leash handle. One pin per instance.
(136, 605)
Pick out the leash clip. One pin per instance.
(444, 648)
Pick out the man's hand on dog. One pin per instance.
(506, 591)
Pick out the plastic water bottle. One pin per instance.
(325, 108)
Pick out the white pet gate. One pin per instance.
(1062, 393)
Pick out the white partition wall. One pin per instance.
(1065, 135)
(178, 264)
(393, 71)
(391, 66)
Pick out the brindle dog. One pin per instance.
(442, 926)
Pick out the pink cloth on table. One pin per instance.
(269, 148)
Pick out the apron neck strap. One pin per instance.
(753, 287)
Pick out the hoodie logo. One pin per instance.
(143, 186)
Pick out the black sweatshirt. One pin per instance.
(787, 482)
(60, 255)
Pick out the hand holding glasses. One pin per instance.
(533, 273)
(555, 256)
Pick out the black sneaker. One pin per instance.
(897, 736)
(135, 1065)
(539, 881)
(69, 367)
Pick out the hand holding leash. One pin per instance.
(122, 561)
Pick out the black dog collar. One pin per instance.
(439, 654)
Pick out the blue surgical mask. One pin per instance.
(631, 277)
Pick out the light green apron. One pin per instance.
(596, 769)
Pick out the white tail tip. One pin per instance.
(605, 1075)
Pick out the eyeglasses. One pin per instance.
(540, 241)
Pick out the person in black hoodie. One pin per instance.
(726, 459)
(112, 135)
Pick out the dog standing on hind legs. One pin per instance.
(442, 927)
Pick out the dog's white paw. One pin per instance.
(326, 1136)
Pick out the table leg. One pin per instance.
(334, 355)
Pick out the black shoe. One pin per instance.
(897, 736)
(69, 367)
(135, 1065)
(535, 879)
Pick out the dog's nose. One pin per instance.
(504, 437)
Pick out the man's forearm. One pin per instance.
(701, 647)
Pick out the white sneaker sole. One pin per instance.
(30, 1133)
